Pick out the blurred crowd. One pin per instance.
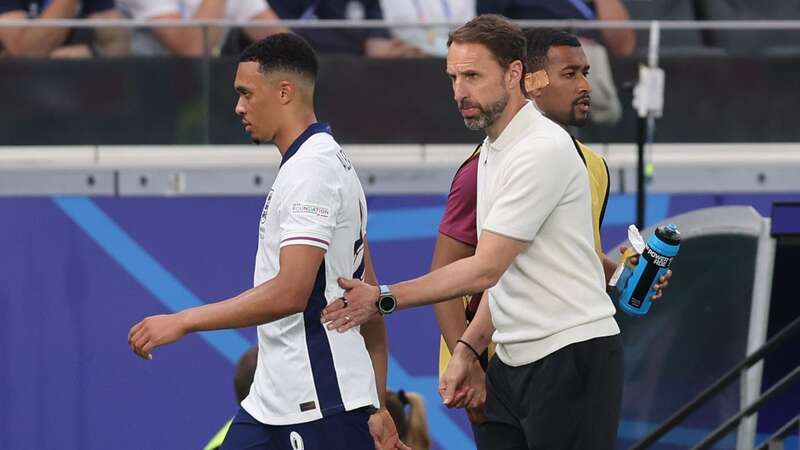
(401, 42)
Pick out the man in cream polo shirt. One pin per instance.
(556, 382)
(533, 187)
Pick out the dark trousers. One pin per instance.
(569, 400)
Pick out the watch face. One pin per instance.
(387, 304)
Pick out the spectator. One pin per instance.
(430, 40)
(374, 43)
(412, 423)
(56, 41)
(190, 41)
(621, 42)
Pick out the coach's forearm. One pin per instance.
(465, 276)
(262, 304)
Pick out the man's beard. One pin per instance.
(488, 115)
(574, 120)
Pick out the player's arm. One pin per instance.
(37, 41)
(374, 333)
(450, 313)
(282, 296)
(381, 425)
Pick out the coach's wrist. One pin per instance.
(465, 351)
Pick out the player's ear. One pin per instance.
(286, 92)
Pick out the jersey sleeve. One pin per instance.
(308, 208)
(459, 219)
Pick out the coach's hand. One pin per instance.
(155, 331)
(476, 408)
(384, 432)
(456, 386)
(356, 306)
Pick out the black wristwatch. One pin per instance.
(386, 302)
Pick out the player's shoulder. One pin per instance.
(319, 161)
(323, 144)
(319, 149)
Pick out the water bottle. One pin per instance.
(654, 261)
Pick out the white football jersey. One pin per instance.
(304, 371)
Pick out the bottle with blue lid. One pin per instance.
(638, 286)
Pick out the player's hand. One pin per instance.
(155, 331)
(663, 282)
(356, 306)
(455, 384)
(476, 408)
(384, 432)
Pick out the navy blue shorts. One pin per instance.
(345, 431)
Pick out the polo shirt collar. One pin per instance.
(314, 128)
(521, 121)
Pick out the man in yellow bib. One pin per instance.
(556, 81)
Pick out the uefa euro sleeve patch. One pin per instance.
(309, 209)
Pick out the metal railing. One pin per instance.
(360, 24)
(726, 379)
(775, 442)
(731, 423)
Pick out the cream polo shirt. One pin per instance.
(533, 187)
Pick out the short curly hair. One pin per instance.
(283, 52)
(541, 39)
